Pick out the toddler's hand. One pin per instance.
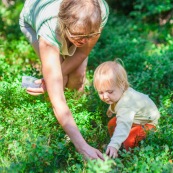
(109, 113)
(37, 91)
(112, 152)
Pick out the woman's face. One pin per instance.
(79, 39)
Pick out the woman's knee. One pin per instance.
(76, 80)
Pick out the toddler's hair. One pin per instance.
(75, 14)
(110, 73)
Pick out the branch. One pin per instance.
(163, 21)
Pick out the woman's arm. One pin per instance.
(69, 65)
(52, 73)
(72, 62)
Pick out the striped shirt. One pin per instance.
(41, 15)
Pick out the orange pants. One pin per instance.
(137, 133)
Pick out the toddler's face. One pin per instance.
(110, 95)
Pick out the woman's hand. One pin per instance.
(42, 89)
(91, 153)
(112, 152)
(37, 91)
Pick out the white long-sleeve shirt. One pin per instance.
(133, 107)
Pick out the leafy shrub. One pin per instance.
(149, 8)
(31, 140)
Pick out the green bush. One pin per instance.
(149, 8)
(31, 140)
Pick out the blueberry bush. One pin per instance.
(31, 139)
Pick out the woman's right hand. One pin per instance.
(91, 153)
(37, 91)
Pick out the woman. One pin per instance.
(62, 33)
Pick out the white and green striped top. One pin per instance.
(42, 16)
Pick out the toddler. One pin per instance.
(135, 112)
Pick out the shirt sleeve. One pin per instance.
(104, 12)
(48, 32)
(125, 118)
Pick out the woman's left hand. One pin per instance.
(37, 91)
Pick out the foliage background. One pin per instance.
(31, 140)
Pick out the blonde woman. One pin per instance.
(62, 33)
(135, 112)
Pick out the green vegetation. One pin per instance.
(31, 140)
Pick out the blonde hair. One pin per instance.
(110, 73)
(76, 14)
